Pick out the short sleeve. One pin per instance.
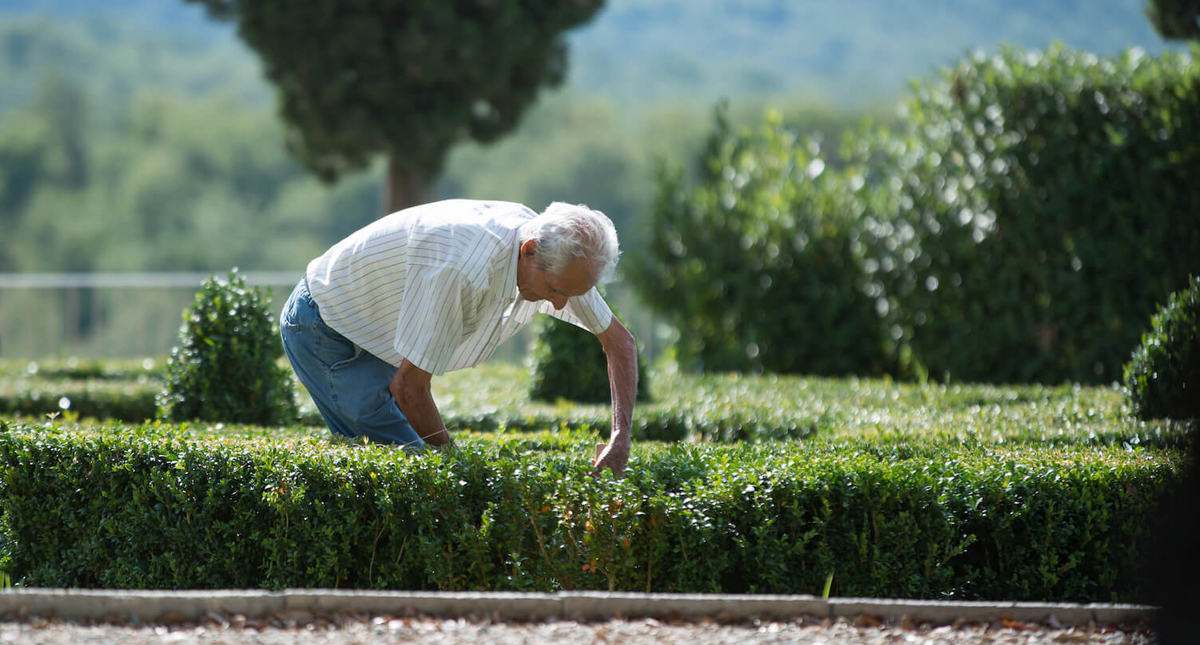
(430, 325)
(588, 311)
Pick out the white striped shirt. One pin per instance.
(436, 284)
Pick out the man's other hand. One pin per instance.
(610, 455)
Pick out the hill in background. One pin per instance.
(850, 53)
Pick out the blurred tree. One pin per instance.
(1175, 19)
(64, 107)
(42, 143)
(408, 79)
(22, 152)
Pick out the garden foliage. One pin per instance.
(227, 366)
(569, 363)
(1020, 224)
(760, 264)
(1053, 203)
(154, 507)
(1163, 377)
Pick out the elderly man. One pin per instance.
(436, 288)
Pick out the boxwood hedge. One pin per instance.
(569, 363)
(161, 506)
(99, 389)
(92, 398)
(1052, 202)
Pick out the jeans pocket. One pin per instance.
(345, 362)
(290, 317)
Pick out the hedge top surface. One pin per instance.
(747, 408)
(563, 450)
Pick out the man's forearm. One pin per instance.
(422, 412)
(623, 382)
(411, 390)
(620, 349)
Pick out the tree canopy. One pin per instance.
(1175, 19)
(403, 78)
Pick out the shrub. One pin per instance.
(227, 367)
(1163, 377)
(760, 264)
(569, 363)
(1052, 202)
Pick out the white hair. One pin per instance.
(566, 233)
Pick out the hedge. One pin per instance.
(569, 363)
(1043, 204)
(136, 403)
(228, 364)
(94, 398)
(94, 388)
(159, 507)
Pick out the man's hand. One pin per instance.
(611, 455)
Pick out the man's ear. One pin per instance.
(529, 248)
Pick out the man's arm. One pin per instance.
(621, 351)
(410, 388)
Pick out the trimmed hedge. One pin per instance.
(156, 507)
(97, 388)
(136, 403)
(725, 408)
(97, 399)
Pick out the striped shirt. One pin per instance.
(436, 284)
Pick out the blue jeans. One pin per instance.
(348, 384)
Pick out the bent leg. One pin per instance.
(348, 385)
(360, 387)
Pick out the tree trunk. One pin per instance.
(407, 185)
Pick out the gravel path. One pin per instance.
(352, 629)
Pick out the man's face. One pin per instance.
(538, 284)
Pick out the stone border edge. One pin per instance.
(152, 605)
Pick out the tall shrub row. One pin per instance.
(760, 263)
(1054, 204)
(1021, 225)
